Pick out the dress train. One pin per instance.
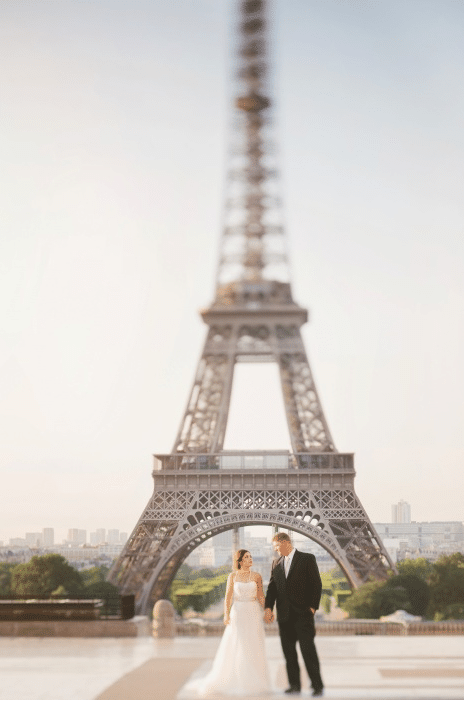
(240, 667)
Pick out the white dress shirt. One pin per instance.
(287, 561)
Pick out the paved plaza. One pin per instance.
(353, 667)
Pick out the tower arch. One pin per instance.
(345, 533)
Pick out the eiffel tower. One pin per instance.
(200, 489)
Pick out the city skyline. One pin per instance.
(114, 119)
(46, 537)
(401, 540)
(255, 531)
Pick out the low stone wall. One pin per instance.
(360, 627)
(50, 609)
(142, 626)
(351, 627)
(439, 628)
(104, 628)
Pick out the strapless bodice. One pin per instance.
(245, 591)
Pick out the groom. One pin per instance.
(296, 587)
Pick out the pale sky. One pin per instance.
(114, 120)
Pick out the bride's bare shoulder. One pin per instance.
(257, 576)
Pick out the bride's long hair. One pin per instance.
(239, 554)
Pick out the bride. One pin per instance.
(240, 667)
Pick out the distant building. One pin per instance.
(15, 554)
(100, 535)
(48, 537)
(401, 512)
(202, 556)
(113, 536)
(222, 546)
(222, 555)
(78, 553)
(93, 539)
(225, 539)
(17, 542)
(110, 549)
(74, 552)
(33, 540)
(259, 547)
(393, 546)
(262, 553)
(429, 539)
(76, 536)
(123, 538)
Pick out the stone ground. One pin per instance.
(353, 667)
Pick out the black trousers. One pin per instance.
(300, 627)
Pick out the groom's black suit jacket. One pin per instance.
(297, 592)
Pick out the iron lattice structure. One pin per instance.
(200, 490)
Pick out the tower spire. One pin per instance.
(253, 248)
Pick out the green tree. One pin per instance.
(420, 567)
(43, 574)
(446, 588)
(337, 574)
(325, 603)
(184, 573)
(375, 599)
(199, 594)
(417, 590)
(421, 588)
(6, 569)
(205, 572)
(94, 575)
(106, 591)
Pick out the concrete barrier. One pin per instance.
(360, 627)
(104, 628)
(164, 619)
(439, 628)
(350, 627)
(167, 628)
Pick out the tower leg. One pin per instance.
(306, 421)
(235, 541)
(204, 422)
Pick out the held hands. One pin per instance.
(269, 617)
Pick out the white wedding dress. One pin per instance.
(240, 667)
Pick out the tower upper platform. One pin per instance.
(254, 300)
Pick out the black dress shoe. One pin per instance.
(292, 690)
(317, 692)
